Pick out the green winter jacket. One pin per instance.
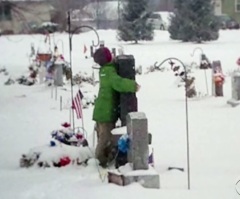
(106, 104)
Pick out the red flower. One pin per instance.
(66, 125)
(65, 161)
(79, 136)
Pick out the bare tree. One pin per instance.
(61, 8)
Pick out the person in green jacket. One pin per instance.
(105, 112)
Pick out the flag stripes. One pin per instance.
(77, 104)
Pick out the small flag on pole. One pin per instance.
(77, 104)
(84, 49)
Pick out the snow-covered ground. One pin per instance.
(29, 114)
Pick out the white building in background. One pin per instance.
(218, 7)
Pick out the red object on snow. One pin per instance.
(219, 79)
(65, 161)
(79, 136)
(66, 125)
(61, 57)
(238, 61)
(33, 74)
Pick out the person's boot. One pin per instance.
(103, 162)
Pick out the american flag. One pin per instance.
(77, 104)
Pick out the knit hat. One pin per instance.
(102, 56)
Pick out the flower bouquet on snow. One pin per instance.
(67, 136)
(65, 148)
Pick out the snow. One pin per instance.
(53, 154)
(119, 131)
(128, 171)
(28, 114)
(48, 24)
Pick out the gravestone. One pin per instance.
(138, 169)
(217, 79)
(58, 74)
(114, 52)
(138, 134)
(127, 101)
(235, 101)
(91, 51)
(101, 44)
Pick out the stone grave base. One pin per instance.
(233, 102)
(125, 175)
